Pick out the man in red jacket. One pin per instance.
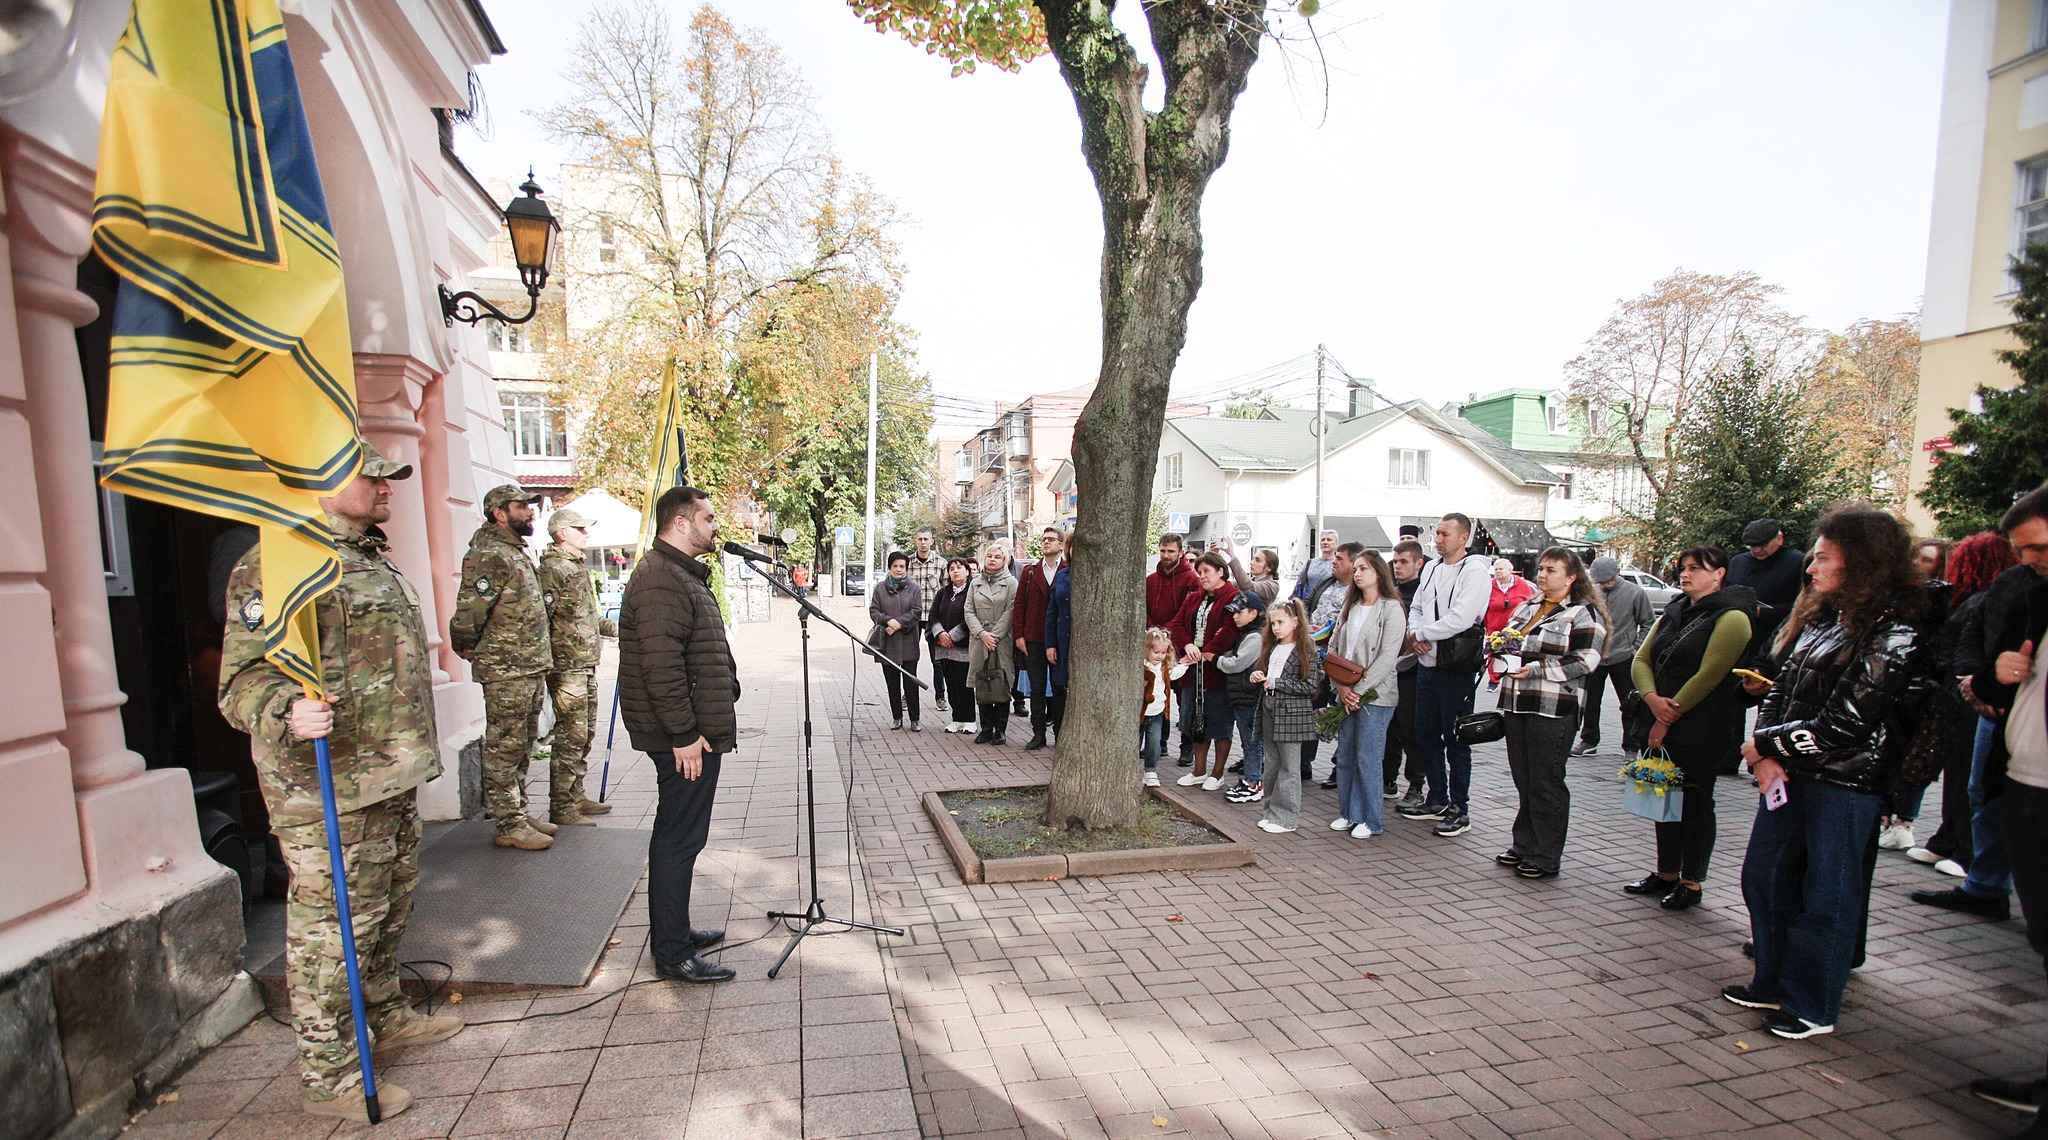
(1202, 631)
(1034, 594)
(1166, 587)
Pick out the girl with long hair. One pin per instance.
(1369, 630)
(1286, 675)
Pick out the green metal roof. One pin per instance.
(1285, 441)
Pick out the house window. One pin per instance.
(963, 466)
(2037, 30)
(1550, 418)
(2031, 216)
(1596, 418)
(501, 337)
(1173, 471)
(607, 248)
(1565, 489)
(1407, 467)
(539, 430)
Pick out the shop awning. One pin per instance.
(1513, 536)
(1363, 529)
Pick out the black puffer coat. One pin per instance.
(1836, 712)
(677, 680)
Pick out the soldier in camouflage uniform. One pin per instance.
(501, 628)
(571, 600)
(379, 724)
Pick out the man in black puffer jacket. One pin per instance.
(677, 689)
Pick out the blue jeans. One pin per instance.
(1441, 697)
(1247, 719)
(1152, 739)
(1990, 869)
(1803, 881)
(1361, 755)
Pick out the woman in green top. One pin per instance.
(1682, 672)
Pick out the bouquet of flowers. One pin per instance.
(1330, 718)
(1506, 645)
(1655, 788)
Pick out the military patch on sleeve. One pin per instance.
(252, 611)
(483, 585)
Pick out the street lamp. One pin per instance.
(533, 228)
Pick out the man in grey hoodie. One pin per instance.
(1630, 614)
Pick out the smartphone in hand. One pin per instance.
(1775, 795)
(1753, 675)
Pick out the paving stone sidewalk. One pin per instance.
(1403, 985)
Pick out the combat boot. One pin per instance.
(526, 839)
(570, 818)
(541, 825)
(592, 807)
(411, 1027)
(391, 1100)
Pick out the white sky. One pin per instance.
(1492, 178)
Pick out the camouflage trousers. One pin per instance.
(511, 715)
(575, 695)
(380, 855)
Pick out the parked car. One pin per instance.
(1658, 592)
(853, 580)
(610, 599)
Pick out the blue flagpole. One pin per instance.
(610, 734)
(348, 929)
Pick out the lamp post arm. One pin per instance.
(469, 308)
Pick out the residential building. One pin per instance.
(1550, 427)
(1990, 200)
(1254, 480)
(120, 937)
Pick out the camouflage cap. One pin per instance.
(375, 466)
(505, 493)
(565, 518)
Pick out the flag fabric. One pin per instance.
(668, 461)
(232, 384)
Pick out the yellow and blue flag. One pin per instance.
(668, 461)
(232, 384)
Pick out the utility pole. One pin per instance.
(874, 371)
(1315, 540)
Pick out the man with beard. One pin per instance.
(501, 628)
(1169, 584)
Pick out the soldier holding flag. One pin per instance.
(379, 725)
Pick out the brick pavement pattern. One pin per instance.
(1403, 985)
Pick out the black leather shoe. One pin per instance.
(1682, 898)
(1651, 884)
(1508, 859)
(1329, 783)
(1037, 742)
(2020, 1096)
(898, 725)
(1956, 898)
(1001, 737)
(706, 939)
(984, 736)
(695, 971)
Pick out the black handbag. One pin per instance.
(1463, 652)
(1480, 727)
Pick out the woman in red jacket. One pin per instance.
(1203, 630)
(1510, 590)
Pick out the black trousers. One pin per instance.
(958, 696)
(1618, 676)
(901, 691)
(2026, 844)
(931, 652)
(1047, 702)
(1537, 749)
(682, 824)
(1952, 839)
(1686, 847)
(1404, 757)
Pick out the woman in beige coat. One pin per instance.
(991, 669)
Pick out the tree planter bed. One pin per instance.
(994, 836)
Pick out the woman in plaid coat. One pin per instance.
(1288, 674)
(1564, 628)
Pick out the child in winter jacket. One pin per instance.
(1161, 671)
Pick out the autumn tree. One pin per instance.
(1634, 380)
(1249, 404)
(2001, 447)
(1865, 384)
(1150, 169)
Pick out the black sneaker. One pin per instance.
(1235, 789)
(1246, 793)
(2020, 1096)
(1454, 822)
(1508, 859)
(1584, 749)
(1236, 766)
(1422, 810)
(1741, 996)
(1956, 898)
(1329, 783)
(1793, 1028)
(1185, 762)
(1532, 871)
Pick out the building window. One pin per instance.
(2031, 220)
(963, 466)
(2037, 30)
(1172, 468)
(501, 337)
(1596, 418)
(539, 430)
(1550, 418)
(607, 248)
(1407, 467)
(1565, 489)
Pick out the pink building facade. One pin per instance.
(120, 937)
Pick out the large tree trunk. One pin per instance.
(1150, 171)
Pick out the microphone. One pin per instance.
(750, 554)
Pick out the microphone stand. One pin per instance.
(814, 915)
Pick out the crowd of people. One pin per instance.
(1845, 679)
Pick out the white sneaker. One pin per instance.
(1896, 837)
(1189, 780)
(1213, 784)
(1276, 829)
(1922, 855)
(1151, 779)
(1363, 831)
(1951, 867)
(1340, 824)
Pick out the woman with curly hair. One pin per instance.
(1822, 752)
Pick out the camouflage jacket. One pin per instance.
(572, 609)
(375, 666)
(500, 622)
